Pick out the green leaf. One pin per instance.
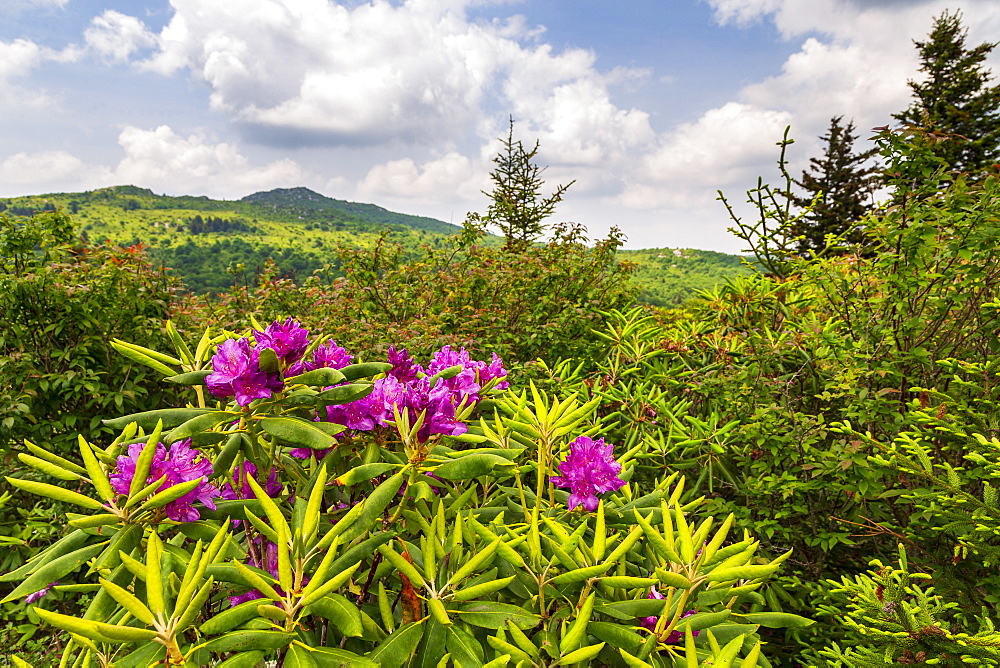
(366, 370)
(344, 394)
(147, 655)
(643, 607)
(490, 615)
(702, 620)
(190, 378)
(64, 545)
(173, 493)
(54, 570)
(616, 635)
(243, 660)
(470, 466)
(57, 493)
(317, 377)
(227, 620)
(464, 648)
(581, 655)
(777, 620)
(328, 657)
(171, 418)
(47, 467)
(199, 424)
(337, 609)
(396, 649)
(299, 657)
(364, 473)
(240, 641)
(304, 433)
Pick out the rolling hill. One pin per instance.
(211, 244)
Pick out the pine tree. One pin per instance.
(955, 99)
(841, 184)
(518, 207)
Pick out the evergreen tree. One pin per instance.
(955, 99)
(518, 207)
(841, 185)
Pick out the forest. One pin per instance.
(488, 453)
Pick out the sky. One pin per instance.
(650, 106)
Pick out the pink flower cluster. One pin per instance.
(180, 464)
(589, 469)
(412, 388)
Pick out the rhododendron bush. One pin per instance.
(313, 507)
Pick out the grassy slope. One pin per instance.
(668, 276)
(300, 230)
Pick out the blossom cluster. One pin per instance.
(417, 390)
(180, 464)
(589, 469)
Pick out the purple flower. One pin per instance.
(403, 367)
(179, 465)
(34, 596)
(328, 355)
(236, 373)
(474, 374)
(288, 340)
(650, 622)
(233, 490)
(589, 469)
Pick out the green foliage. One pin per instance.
(377, 563)
(517, 208)
(212, 245)
(670, 276)
(838, 191)
(954, 100)
(541, 301)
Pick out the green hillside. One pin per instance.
(211, 243)
(669, 276)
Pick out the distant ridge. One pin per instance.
(305, 202)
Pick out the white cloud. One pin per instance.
(164, 160)
(17, 59)
(448, 177)
(41, 168)
(725, 146)
(115, 36)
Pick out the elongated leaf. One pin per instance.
(338, 658)
(777, 620)
(143, 356)
(244, 660)
(344, 394)
(199, 424)
(464, 648)
(227, 620)
(490, 615)
(241, 641)
(470, 466)
(317, 377)
(171, 418)
(364, 473)
(304, 433)
(57, 493)
(343, 613)
(54, 570)
(397, 648)
(48, 467)
(366, 370)
(173, 493)
(190, 378)
(644, 607)
(616, 635)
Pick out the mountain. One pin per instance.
(211, 244)
(307, 203)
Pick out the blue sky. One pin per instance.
(650, 105)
